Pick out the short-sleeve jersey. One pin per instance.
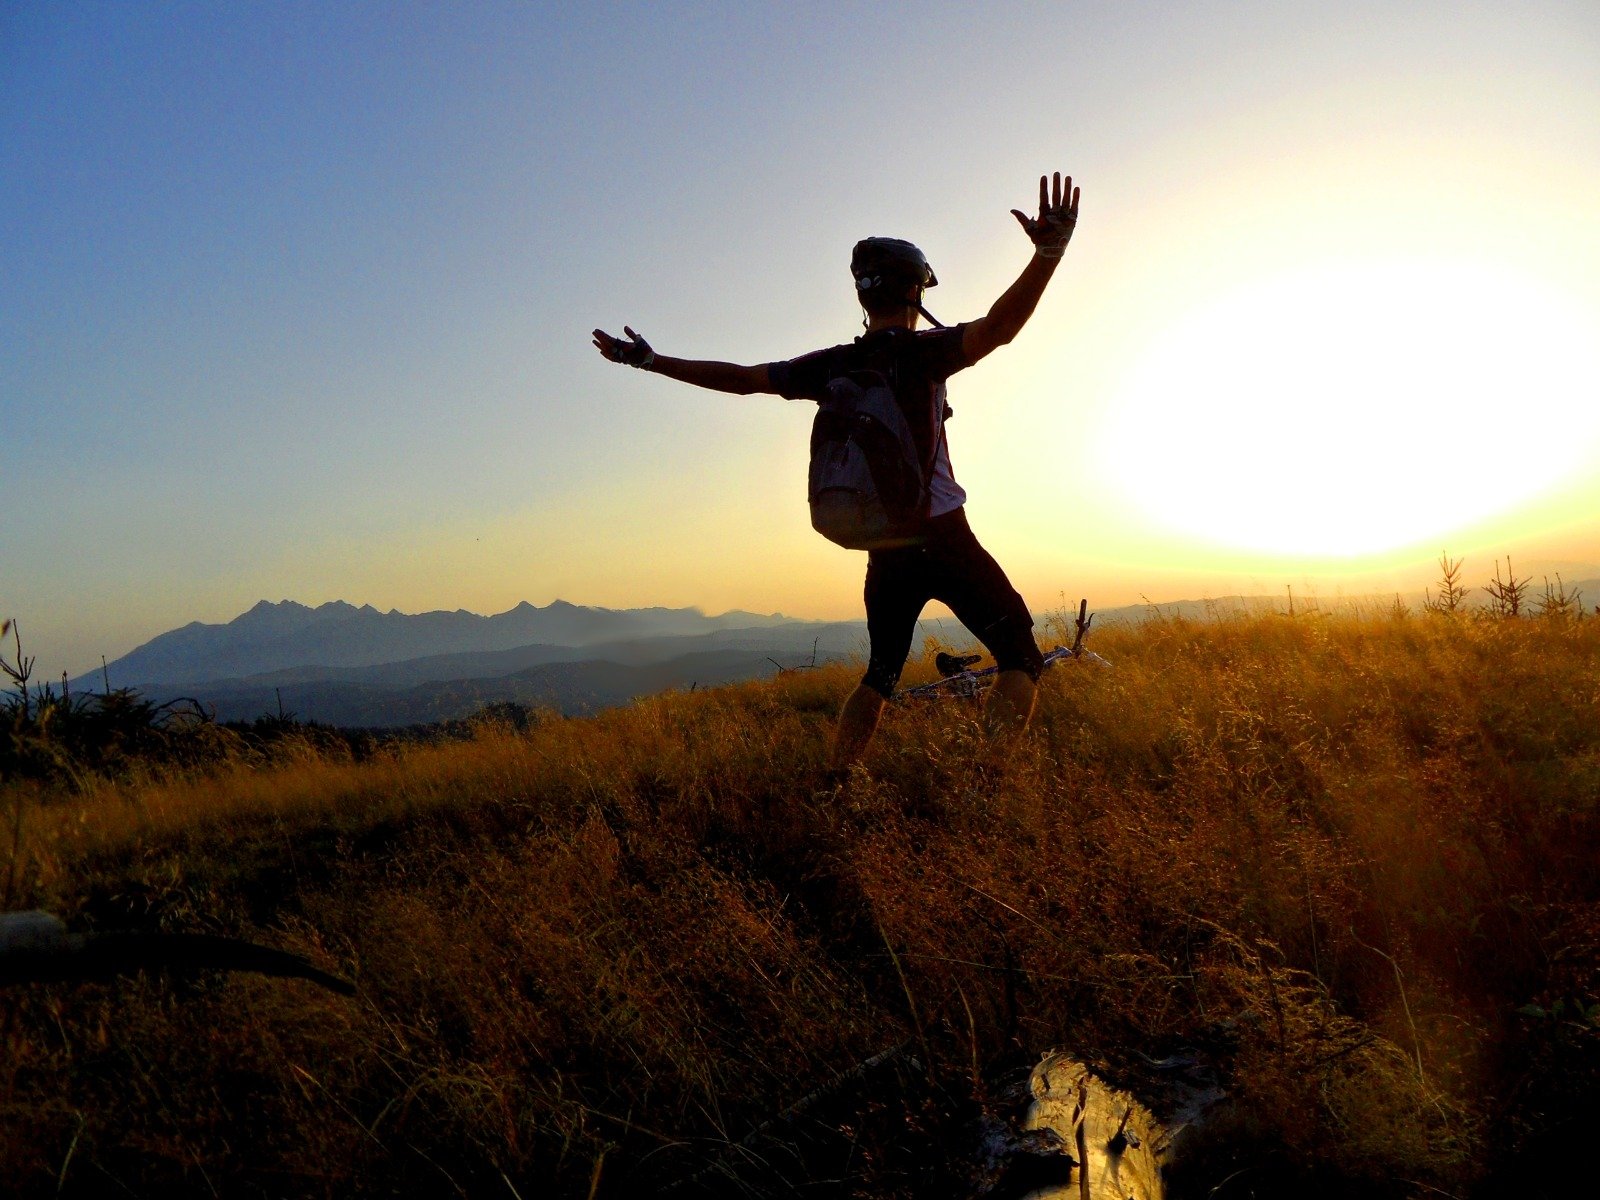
(917, 363)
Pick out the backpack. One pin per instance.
(869, 488)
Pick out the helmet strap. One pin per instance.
(916, 304)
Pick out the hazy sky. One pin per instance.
(295, 298)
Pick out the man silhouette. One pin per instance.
(940, 559)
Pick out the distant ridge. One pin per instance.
(348, 665)
(287, 635)
(569, 687)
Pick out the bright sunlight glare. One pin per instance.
(1353, 409)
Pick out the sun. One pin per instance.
(1355, 408)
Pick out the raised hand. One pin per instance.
(635, 352)
(1058, 216)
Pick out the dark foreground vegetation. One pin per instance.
(1348, 864)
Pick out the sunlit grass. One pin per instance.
(1333, 855)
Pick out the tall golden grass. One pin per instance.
(1347, 862)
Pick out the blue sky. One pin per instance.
(296, 296)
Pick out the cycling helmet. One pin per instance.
(883, 261)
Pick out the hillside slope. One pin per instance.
(1344, 868)
(566, 686)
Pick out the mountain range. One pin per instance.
(348, 665)
(286, 635)
(357, 666)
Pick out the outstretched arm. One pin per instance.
(1050, 232)
(718, 376)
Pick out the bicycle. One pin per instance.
(957, 678)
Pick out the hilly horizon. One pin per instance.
(343, 664)
(274, 637)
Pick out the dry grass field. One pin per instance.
(1346, 863)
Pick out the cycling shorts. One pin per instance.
(946, 564)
